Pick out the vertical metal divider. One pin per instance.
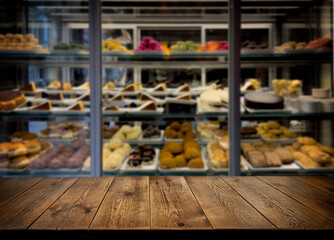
(95, 73)
(234, 38)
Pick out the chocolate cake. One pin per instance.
(263, 100)
(10, 99)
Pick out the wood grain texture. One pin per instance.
(22, 211)
(12, 187)
(283, 211)
(322, 182)
(223, 207)
(173, 205)
(125, 206)
(310, 196)
(76, 208)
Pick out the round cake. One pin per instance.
(10, 99)
(263, 100)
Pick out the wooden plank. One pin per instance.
(223, 207)
(21, 212)
(125, 206)
(283, 211)
(76, 208)
(322, 182)
(315, 198)
(173, 205)
(12, 187)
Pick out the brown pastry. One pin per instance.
(60, 160)
(78, 158)
(79, 106)
(148, 106)
(30, 87)
(257, 159)
(43, 159)
(29, 137)
(285, 155)
(272, 159)
(43, 106)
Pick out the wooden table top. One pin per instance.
(167, 203)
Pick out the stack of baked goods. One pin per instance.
(11, 41)
(179, 131)
(10, 99)
(213, 100)
(63, 156)
(21, 151)
(217, 154)
(312, 154)
(274, 130)
(62, 130)
(266, 154)
(113, 153)
(141, 156)
(176, 155)
(127, 132)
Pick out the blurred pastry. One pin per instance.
(30, 87)
(17, 149)
(54, 84)
(79, 106)
(43, 106)
(109, 85)
(17, 136)
(10, 99)
(67, 86)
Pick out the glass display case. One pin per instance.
(152, 87)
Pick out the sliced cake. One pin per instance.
(184, 97)
(161, 87)
(146, 97)
(43, 106)
(30, 87)
(57, 96)
(148, 106)
(183, 88)
(118, 97)
(79, 106)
